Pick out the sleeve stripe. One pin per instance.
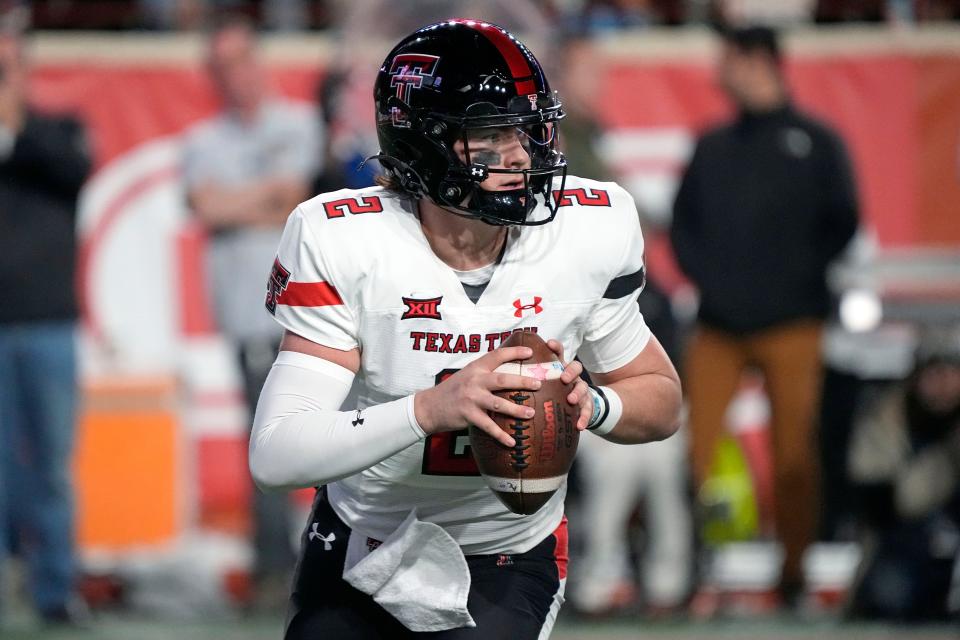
(626, 284)
(310, 294)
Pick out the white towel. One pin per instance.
(418, 574)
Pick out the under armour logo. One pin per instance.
(521, 308)
(358, 419)
(314, 534)
(479, 172)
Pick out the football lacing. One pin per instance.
(519, 427)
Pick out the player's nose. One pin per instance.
(515, 156)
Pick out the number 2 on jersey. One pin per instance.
(339, 208)
(448, 453)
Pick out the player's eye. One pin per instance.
(540, 135)
(487, 139)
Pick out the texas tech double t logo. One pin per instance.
(409, 71)
(279, 277)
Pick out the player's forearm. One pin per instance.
(318, 446)
(299, 438)
(218, 207)
(285, 195)
(265, 202)
(651, 408)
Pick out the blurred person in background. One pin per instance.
(654, 476)
(43, 164)
(278, 15)
(245, 170)
(598, 16)
(766, 203)
(172, 14)
(905, 463)
(343, 153)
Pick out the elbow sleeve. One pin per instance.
(299, 437)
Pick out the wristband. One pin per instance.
(601, 406)
(614, 410)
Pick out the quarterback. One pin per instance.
(405, 292)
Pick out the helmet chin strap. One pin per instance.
(409, 180)
(413, 184)
(464, 211)
(490, 198)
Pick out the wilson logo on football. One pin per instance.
(522, 309)
(416, 308)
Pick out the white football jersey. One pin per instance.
(354, 270)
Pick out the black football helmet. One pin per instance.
(457, 76)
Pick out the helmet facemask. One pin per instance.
(492, 152)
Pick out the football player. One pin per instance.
(406, 290)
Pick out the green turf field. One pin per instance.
(119, 628)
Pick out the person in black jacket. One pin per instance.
(767, 202)
(43, 163)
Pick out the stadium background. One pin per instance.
(162, 414)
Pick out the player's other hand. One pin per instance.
(466, 396)
(580, 396)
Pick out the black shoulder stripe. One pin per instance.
(625, 285)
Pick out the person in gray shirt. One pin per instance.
(245, 170)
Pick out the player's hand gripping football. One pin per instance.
(465, 397)
(580, 396)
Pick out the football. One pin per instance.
(524, 476)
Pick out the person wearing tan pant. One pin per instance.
(788, 355)
(766, 203)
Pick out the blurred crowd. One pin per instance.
(655, 544)
(593, 15)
